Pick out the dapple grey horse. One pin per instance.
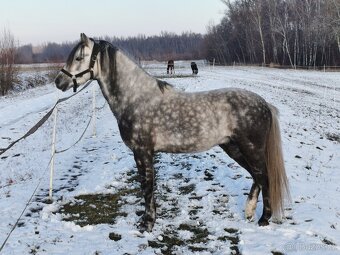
(155, 117)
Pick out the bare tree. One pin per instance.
(336, 21)
(282, 18)
(8, 72)
(257, 11)
(287, 32)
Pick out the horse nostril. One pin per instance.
(57, 80)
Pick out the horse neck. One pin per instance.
(122, 81)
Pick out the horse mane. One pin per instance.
(107, 46)
(162, 85)
(71, 55)
(110, 50)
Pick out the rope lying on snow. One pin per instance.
(30, 132)
(23, 211)
(41, 121)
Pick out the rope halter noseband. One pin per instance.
(94, 54)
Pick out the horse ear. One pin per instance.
(84, 39)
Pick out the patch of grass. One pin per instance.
(170, 213)
(233, 238)
(195, 197)
(231, 230)
(200, 235)
(197, 249)
(178, 176)
(170, 240)
(168, 243)
(218, 212)
(185, 190)
(93, 209)
(195, 211)
(115, 237)
(333, 137)
(208, 176)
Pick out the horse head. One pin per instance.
(80, 65)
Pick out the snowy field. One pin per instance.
(200, 197)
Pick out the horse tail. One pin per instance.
(278, 182)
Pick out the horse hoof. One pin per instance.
(263, 222)
(144, 225)
(141, 228)
(250, 218)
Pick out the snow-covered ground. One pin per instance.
(200, 197)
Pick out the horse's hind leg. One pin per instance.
(252, 158)
(257, 160)
(252, 201)
(234, 152)
(267, 212)
(144, 162)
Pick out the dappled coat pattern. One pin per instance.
(154, 117)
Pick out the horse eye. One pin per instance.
(79, 58)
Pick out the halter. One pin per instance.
(95, 51)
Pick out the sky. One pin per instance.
(41, 21)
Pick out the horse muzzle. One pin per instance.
(62, 83)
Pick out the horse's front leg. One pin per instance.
(144, 162)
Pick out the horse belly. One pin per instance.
(180, 144)
(195, 138)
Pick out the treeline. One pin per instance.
(284, 32)
(48, 53)
(278, 32)
(163, 47)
